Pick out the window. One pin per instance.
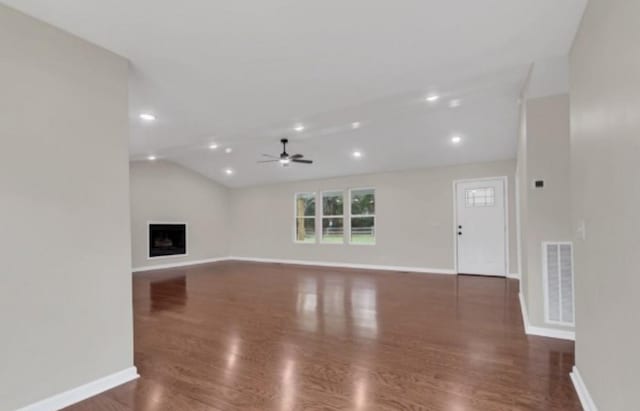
(363, 216)
(480, 197)
(305, 218)
(333, 217)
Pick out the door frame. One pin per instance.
(507, 242)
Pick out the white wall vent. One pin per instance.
(557, 263)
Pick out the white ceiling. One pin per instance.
(243, 72)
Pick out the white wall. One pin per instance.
(165, 191)
(605, 153)
(65, 282)
(545, 216)
(548, 77)
(414, 218)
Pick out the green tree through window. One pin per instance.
(306, 217)
(333, 217)
(363, 210)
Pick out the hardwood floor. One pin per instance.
(245, 336)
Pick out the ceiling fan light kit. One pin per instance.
(285, 159)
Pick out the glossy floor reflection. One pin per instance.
(245, 336)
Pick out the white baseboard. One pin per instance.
(347, 265)
(542, 331)
(515, 276)
(551, 333)
(583, 393)
(178, 264)
(75, 395)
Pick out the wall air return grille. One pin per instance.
(558, 282)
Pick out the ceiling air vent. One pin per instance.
(557, 262)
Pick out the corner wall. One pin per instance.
(167, 192)
(65, 282)
(605, 153)
(544, 214)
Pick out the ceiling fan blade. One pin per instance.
(302, 161)
(268, 161)
(270, 156)
(296, 156)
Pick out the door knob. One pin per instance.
(459, 232)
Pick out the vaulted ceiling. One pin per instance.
(243, 73)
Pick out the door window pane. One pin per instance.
(480, 197)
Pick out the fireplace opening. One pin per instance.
(167, 239)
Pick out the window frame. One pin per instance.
(321, 218)
(295, 218)
(351, 216)
(470, 200)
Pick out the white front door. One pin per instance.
(481, 227)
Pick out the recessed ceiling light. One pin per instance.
(228, 171)
(456, 139)
(151, 158)
(213, 146)
(454, 103)
(357, 154)
(147, 117)
(432, 98)
(228, 150)
(355, 125)
(299, 127)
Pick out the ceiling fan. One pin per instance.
(285, 159)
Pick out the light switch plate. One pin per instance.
(582, 230)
